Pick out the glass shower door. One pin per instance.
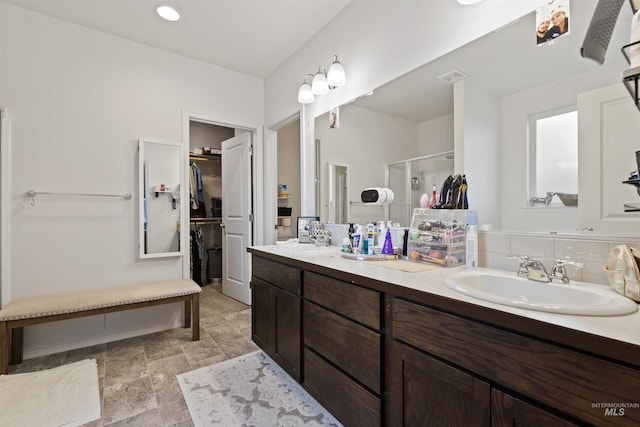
(400, 209)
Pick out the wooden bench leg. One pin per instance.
(4, 348)
(17, 344)
(195, 315)
(187, 313)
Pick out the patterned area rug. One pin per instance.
(64, 396)
(250, 390)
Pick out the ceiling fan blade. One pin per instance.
(596, 41)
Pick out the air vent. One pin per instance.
(452, 76)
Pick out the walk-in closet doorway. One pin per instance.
(219, 176)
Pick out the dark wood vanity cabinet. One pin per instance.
(458, 368)
(425, 391)
(509, 411)
(343, 349)
(373, 355)
(276, 313)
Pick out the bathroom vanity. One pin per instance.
(379, 346)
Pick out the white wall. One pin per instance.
(79, 100)
(366, 142)
(481, 161)
(516, 110)
(436, 135)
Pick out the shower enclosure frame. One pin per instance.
(401, 209)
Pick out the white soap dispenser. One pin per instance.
(472, 246)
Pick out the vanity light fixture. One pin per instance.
(319, 85)
(305, 94)
(322, 82)
(168, 13)
(336, 76)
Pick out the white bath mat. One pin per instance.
(67, 396)
(250, 390)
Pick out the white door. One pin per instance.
(608, 130)
(236, 211)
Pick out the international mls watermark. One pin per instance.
(615, 409)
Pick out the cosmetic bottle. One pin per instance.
(387, 248)
(357, 240)
(405, 242)
(370, 239)
(433, 197)
(346, 245)
(380, 236)
(472, 246)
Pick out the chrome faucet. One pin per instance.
(535, 270)
(531, 268)
(559, 270)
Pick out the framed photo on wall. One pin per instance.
(552, 21)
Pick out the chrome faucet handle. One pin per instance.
(523, 267)
(537, 271)
(559, 271)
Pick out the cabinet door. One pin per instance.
(507, 411)
(263, 327)
(426, 392)
(288, 347)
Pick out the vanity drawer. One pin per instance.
(352, 301)
(349, 402)
(559, 377)
(280, 275)
(351, 347)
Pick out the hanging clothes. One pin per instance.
(197, 255)
(195, 186)
(196, 193)
(198, 182)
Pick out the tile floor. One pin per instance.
(138, 384)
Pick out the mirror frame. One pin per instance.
(141, 198)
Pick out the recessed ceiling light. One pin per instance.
(168, 13)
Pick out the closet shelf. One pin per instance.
(204, 157)
(205, 220)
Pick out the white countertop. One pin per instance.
(625, 329)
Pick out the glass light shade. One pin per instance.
(336, 76)
(168, 13)
(319, 85)
(305, 95)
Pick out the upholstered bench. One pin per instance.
(50, 308)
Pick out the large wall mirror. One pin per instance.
(443, 105)
(338, 193)
(159, 174)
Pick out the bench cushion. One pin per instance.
(48, 305)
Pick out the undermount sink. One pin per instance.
(505, 288)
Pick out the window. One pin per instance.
(554, 154)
